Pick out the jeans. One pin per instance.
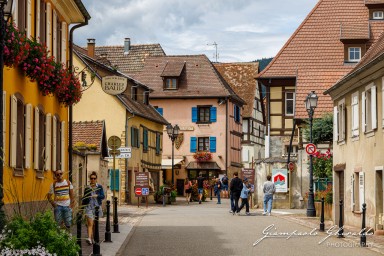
(235, 197)
(63, 213)
(268, 201)
(244, 201)
(218, 196)
(232, 203)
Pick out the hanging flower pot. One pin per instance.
(202, 156)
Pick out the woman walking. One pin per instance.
(188, 189)
(93, 196)
(217, 190)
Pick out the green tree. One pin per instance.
(322, 130)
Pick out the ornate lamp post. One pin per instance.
(173, 132)
(5, 14)
(310, 105)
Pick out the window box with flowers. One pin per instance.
(202, 156)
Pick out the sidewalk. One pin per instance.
(374, 242)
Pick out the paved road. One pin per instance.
(208, 229)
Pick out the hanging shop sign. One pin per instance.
(114, 85)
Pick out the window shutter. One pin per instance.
(28, 135)
(54, 36)
(193, 144)
(145, 139)
(49, 28)
(15, 12)
(63, 140)
(29, 18)
(54, 144)
(36, 140)
(37, 27)
(157, 143)
(355, 114)
(132, 138)
(213, 114)
(363, 123)
(373, 107)
(48, 141)
(160, 110)
(194, 114)
(212, 144)
(343, 121)
(13, 142)
(335, 128)
(361, 190)
(4, 124)
(114, 179)
(353, 192)
(64, 42)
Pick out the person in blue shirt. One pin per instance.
(244, 197)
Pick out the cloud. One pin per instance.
(244, 30)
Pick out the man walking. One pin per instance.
(200, 186)
(268, 189)
(224, 181)
(61, 197)
(235, 187)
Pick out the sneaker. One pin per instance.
(269, 214)
(238, 213)
(264, 213)
(247, 213)
(199, 202)
(89, 241)
(218, 203)
(230, 211)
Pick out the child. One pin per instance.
(244, 198)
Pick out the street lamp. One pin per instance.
(310, 105)
(5, 14)
(173, 132)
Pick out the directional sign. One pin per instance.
(119, 153)
(310, 149)
(138, 191)
(125, 150)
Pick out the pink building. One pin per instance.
(189, 92)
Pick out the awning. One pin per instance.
(167, 163)
(203, 166)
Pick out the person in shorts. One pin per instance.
(200, 186)
(93, 196)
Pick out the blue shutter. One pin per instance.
(213, 114)
(114, 179)
(212, 144)
(193, 144)
(194, 114)
(160, 110)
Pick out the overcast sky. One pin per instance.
(244, 30)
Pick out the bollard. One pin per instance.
(108, 238)
(322, 215)
(78, 227)
(341, 228)
(115, 221)
(163, 197)
(363, 238)
(96, 244)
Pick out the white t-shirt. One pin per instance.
(61, 192)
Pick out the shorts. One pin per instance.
(200, 190)
(90, 213)
(225, 187)
(63, 214)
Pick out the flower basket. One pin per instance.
(202, 156)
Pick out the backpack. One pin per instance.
(225, 180)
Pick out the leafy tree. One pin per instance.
(322, 130)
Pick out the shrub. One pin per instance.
(21, 234)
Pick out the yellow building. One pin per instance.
(35, 127)
(128, 116)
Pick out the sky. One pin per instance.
(244, 30)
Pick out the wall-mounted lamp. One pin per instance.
(221, 101)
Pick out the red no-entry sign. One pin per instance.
(310, 149)
(138, 191)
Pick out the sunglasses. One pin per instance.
(59, 174)
(93, 178)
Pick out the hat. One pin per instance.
(245, 179)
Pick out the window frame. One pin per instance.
(207, 117)
(341, 120)
(350, 51)
(369, 108)
(169, 86)
(287, 100)
(378, 17)
(204, 141)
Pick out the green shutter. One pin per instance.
(114, 179)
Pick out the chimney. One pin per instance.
(127, 45)
(91, 47)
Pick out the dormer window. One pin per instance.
(378, 15)
(171, 83)
(146, 98)
(134, 92)
(354, 54)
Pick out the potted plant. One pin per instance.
(202, 156)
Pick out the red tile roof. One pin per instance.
(241, 77)
(89, 132)
(173, 69)
(200, 80)
(374, 1)
(314, 54)
(354, 30)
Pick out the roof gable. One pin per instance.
(89, 132)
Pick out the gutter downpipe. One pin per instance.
(226, 136)
(70, 150)
(127, 199)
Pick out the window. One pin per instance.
(203, 143)
(146, 98)
(289, 103)
(158, 143)
(135, 137)
(378, 15)
(236, 113)
(171, 83)
(341, 120)
(160, 110)
(17, 134)
(355, 114)
(145, 140)
(354, 54)
(204, 114)
(368, 108)
(134, 92)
